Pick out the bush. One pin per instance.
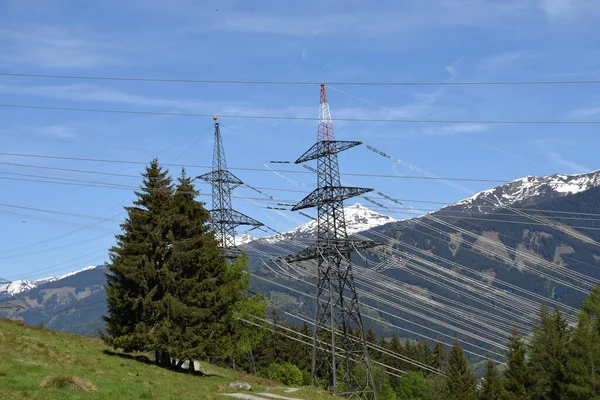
(286, 373)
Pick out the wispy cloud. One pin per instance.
(98, 94)
(83, 93)
(454, 129)
(59, 131)
(360, 18)
(568, 10)
(55, 48)
(585, 111)
(572, 165)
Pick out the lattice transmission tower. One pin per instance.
(223, 217)
(339, 345)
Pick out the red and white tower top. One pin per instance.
(325, 130)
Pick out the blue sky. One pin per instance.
(352, 40)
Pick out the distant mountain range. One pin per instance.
(19, 286)
(74, 302)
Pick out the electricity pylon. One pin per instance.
(339, 345)
(223, 217)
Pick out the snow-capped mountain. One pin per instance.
(21, 286)
(243, 239)
(358, 218)
(528, 190)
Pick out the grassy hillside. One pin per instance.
(33, 360)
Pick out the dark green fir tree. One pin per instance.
(438, 357)
(140, 252)
(492, 384)
(583, 364)
(461, 382)
(515, 374)
(169, 288)
(548, 356)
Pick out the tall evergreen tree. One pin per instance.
(583, 364)
(515, 374)
(548, 356)
(438, 357)
(370, 336)
(461, 382)
(139, 253)
(492, 385)
(167, 266)
(209, 290)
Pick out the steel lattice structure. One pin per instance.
(224, 218)
(337, 316)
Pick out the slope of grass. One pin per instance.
(38, 363)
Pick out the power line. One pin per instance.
(233, 168)
(296, 83)
(281, 117)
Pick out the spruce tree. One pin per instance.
(187, 300)
(492, 385)
(438, 357)
(370, 336)
(515, 374)
(583, 361)
(548, 356)
(461, 382)
(141, 250)
(207, 291)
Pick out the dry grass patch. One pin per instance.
(68, 382)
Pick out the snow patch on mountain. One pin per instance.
(21, 286)
(16, 287)
(243, 239)
(358, 218)
(529, 190)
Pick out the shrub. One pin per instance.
(286, 373)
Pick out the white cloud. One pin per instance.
(98, 94)
(59, 131)
(558, 9)
(360, 19)
(56, 48)
(586, 112)
(452, 129)
(572, 165)
(501, 62)
(454, 68)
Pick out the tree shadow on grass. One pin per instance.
(145, 360)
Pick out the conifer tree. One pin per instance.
(169, 287)
(438, 357)
(140, 251)
(548, 356)
(210, 291)
(461, 382)
(424, 352)
(583, 364)
(370, 336)
(515, 374)
(492, 385)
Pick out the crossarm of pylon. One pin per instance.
(329, 194)
(221, 175)
(232, 217)
(326, 147)
(343, 246)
